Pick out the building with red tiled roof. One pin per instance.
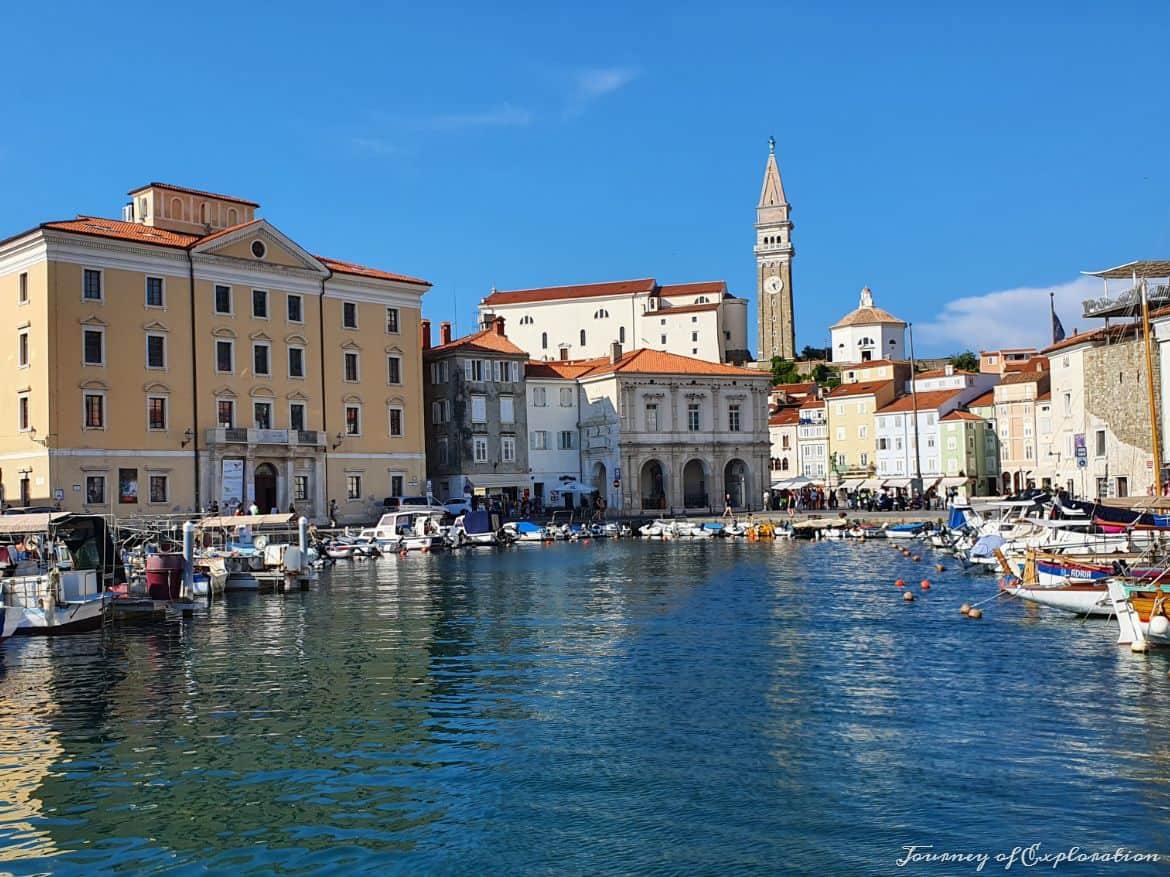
(1006, 359)
(220, 362)
(783, 436)
(701, 320)
(868, 333)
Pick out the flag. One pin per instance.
(1057, 326)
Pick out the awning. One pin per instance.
(793, 483)
(248, 521)
(38, 522)
(898, 483)
(954, 481)
(851, 484)
(870, 484)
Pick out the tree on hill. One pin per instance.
(826, 376)
(784, 371)
(810, 353)
(965, 361)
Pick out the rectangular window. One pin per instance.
(225, 412)
(440, 374)
(436, 412)
(539, 440)
(397, 485)
(694, 336)
(262, 415)
(514, 371)
(508, 449)
(22, 295)
(349, 315)
(566, 397)
(159, 488)
(260, 304)
(507, 410)
(539, 397)
(156, 413)
(1068, 404)
(444, 453)
(95, 489)
(353, 487)
(394, 369)
(392, 320)
(351, 367)
(295, 311)
(499, 374)
(474, 369)
(396, 422)
(565, 440)
(663, 339)
(693, 422)
(479, 409)
(260, 359)
(154, 292)
(95, 411)
(224, 357)
(94, 343)
(91, 285)
(652, 417)
(353, 420)
(864, 458)
(296, 415)
(223, 299)
(862, 431)
(22, 349)
(1100, 442)
(156, 351)
(733, 418)
(840, 433)
(296, 362)
(480, 446)
(300, 487)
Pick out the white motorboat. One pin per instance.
(10, 618)
(413, 528)
(525, 531)
(1079, 599)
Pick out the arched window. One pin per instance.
(621, 334)
(176, 208)
(582, 337)
(205, 212)
(784, 464)
(526, 320)
(544, 340)
(233, 217)
(599, 314)
(702, 300)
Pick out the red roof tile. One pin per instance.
(171, 188)
(1028, 377)
(584, 290)
(712, 287)
(942, 373)
(126, 231)
(986, 400)
(656, 362)
(689, 309)
(565, 369)
(785, 417)
(926, 401)
(487, 340)
(795, 389)
(223, 232)
(865, 388)
(339, 267)
(1111, 333)
(959, 414)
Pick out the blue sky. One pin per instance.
(961, 162)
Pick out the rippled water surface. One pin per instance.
(605, 707)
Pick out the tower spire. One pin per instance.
(774, 253)
(772, 193)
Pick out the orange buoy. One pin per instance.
(899, 584)
(426, 550)
(908, 597)
(938, 567)
(926, 584)
(964, 609)
(975, 613)
(402, 553)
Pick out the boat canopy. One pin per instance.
(900, 483)
(478, 522)
(224, 521)
(35, 523)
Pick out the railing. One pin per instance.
(224, 436)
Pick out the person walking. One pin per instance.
(333, 513)
(727, 512)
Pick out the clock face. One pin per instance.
(774, 285)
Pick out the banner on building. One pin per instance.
(232, 490)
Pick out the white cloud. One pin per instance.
(589, 85)
(505, 115)
(373, 145)
(1008, 317)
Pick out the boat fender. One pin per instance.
(1159, 625)
(55, 586)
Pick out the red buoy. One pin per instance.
(926, 584)
(899, 584)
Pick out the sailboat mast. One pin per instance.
(1157, 442)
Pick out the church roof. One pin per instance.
(772, 192)
(489, 340)
(579, 290)
(867, 314)
(658, 362)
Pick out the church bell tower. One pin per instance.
(774, 254)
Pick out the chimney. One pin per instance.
(486, 320)
(424, 328)
(444, 332)
(615, 351)
(564, 354)
(499, 326)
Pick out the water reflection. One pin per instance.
(600, 707)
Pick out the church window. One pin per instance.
(526, 320)
(621, 334)
(600, 314)
(544, 340)
(702, 300)
(582, 337)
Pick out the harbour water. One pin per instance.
(604, 708)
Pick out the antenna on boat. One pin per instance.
(1150, 390)
(917, 486)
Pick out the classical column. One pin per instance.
(250, 476)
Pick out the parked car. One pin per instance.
(458, 505)
(395, 503)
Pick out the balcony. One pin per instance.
(286, 437)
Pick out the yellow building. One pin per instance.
(852, 440)
(191, 354)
